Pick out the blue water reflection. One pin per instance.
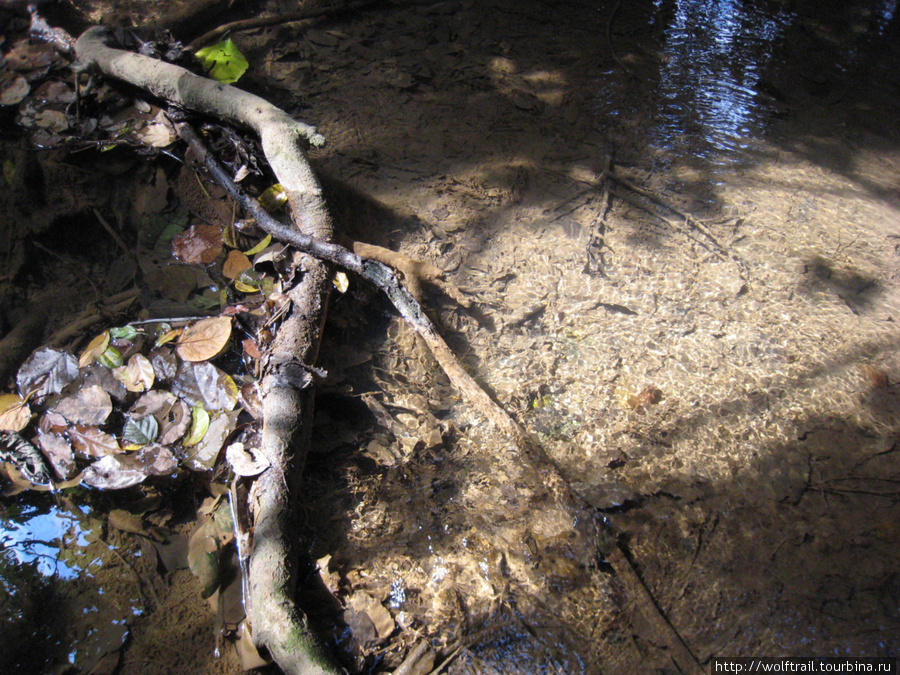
(38, 537)
(713, 52)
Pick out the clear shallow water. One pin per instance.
(713, 54)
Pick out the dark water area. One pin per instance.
(719, 77)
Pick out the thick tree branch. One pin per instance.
(278, 625)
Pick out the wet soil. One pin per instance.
(675, 231)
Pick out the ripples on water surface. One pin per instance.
(721, 72)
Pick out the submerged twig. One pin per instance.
(275, 20)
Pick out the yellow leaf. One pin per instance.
(138, 375)
(94, 349)
(199, 426)
(168, 337)
(205, 339)
(245, 288)
(341, 282)
(14, 413)
(261, 246)
(273, 198)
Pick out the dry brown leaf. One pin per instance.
(59, 453)
(235, 263)
(94, 349)
(90, 405)
(246, 461)
(649, 395)
(91, 442)
(138, 375)
(205, 339)
(877, 377)
(200, 244)
(14, 413)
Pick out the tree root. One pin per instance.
(277, 624)
(276, 20)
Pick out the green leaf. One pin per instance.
(111, 358)
(128, 332)
(140, 432)
(223, 61)
(199, 426)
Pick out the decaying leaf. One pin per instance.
(137, 375)
(205, 339)
(877, 377)
(203, 559)
(59, 453)
(165, 363)
(13, 88)
(125, 521)
(246, 461)
(157, 460)
(205, 385)
(158, 133)
(114, 472)
(26, 55)
(14, 413)
(649, 395)
(94, 349)
(203, 455)
(199, 244)
(363, 603)
(341, 282)
(46, 372)
(91, 442)
(250, 399)
(89, 406)
(168, 336)
(140, 432)
(235, 263)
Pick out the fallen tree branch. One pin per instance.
(277, 624)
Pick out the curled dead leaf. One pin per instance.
(246, 461)
(94, 349)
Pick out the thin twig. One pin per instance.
(112, 233)
(276, 20)
(116, 304)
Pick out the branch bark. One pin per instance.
(277, 624)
